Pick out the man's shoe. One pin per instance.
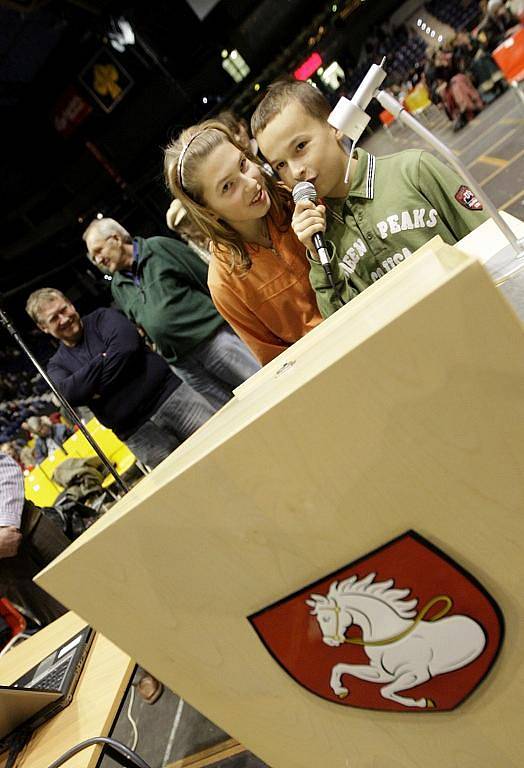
(149, 688)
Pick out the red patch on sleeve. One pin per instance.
(467, 199)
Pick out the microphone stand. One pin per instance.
(350, 118)
(502, 260)
(4, 319)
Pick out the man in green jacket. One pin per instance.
(161, 285)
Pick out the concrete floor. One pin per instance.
(492, 146)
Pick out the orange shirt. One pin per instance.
(272, 305)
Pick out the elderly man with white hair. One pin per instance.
(161, 285)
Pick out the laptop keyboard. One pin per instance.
(54, 679)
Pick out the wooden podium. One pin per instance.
(402, 412)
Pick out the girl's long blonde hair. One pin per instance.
(182, 160)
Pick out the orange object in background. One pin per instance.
(385, 117)
(509, 56)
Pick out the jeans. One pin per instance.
(218, 365)
(178, 417)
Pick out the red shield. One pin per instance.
(404, 629)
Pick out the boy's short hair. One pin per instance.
(279, 95)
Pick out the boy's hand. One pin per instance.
(308, 219)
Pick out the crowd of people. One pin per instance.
(461, 75)
(459, 72)
(195, 317)
(23, 396)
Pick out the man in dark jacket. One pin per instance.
(103, 363)
(161, 285)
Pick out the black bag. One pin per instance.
(71, 516)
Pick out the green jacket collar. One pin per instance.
(144, 252)
(363, 181)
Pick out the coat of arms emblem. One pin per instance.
(404, 628)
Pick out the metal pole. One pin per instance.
(74, 416)
(389, 102)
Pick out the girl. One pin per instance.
(258, 275)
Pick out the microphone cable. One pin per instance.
(124, 751)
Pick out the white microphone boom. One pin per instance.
(350, 116)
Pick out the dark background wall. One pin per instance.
(56, 181)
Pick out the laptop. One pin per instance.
(43, 691)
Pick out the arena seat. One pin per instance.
(40, 489)
(51, 462)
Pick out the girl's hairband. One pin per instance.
(180, 164)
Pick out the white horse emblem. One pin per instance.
(403, 649)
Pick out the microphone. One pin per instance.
(350, 116)
(305, 190)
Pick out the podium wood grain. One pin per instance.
(404, 410)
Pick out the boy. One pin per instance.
(390, 207)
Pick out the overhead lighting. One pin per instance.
(235, 66)
(332, 76)
(99, 215)
(204, 99)
(423, 26)
(256, 87)
(224, 53)
(334, 8)
(121, 34)
(309, 67)
(419, 22)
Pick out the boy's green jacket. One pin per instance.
(395, 204)
(168, 296)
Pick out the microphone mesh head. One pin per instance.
(304, 190)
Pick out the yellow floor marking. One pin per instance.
(492, 175)
(512, 121)
(498, 161)
(512, 200)
(493, 146)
